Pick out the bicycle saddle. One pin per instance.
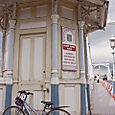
(47, 103)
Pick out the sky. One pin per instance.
(99, 40)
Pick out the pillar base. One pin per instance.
(8, 95)
(113, 83)
(83, 100)
(55, 95)
(88, 98)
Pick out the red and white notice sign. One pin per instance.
(68, 49)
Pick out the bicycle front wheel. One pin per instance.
(13, 110)
(58, 111)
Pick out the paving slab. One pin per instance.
(101, 101)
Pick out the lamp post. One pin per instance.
(112, 44)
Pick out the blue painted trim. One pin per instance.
(54, 95)
(113, 87)
(83, 100)
(8, 95)
(88, 98)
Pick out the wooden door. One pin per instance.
(32, 66)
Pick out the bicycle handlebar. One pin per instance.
(25, 93)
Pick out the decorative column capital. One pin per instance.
(12, 24)
(81, 24)
(82, 74)
(55, 18)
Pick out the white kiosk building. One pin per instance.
(43, 50)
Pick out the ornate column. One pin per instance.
(54, 61)
(8, 63)
(87, 57)
(54, 69)
(82, 67)
(9, 48)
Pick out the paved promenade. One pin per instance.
(101, 101)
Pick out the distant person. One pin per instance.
(98, 81)
(105, 77)
(97, 78)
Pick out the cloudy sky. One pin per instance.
(99, 40)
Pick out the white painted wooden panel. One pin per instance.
(41, 11)
(25, 59)
(70, 97)
(25, 13)
(38, 57)
(37, 98)
(1, 99)
(69, 75)
(67, 13)
(35, 24)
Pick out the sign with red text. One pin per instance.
(68, 49)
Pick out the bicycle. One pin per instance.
(23, 108)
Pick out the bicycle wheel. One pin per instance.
(58, 111)
(13, 110)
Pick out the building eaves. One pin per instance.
(93, 12)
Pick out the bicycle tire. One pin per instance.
(58, 111)
(13, 110)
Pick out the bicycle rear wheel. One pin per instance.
(58, 111)
(13, 110)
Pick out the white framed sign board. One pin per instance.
(68, 49)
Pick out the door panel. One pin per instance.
(32, 58)
(32, 66)
(38, 58)
(37, 98)
(25, 59)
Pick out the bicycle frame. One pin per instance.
(27, 107)
(29, 110)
